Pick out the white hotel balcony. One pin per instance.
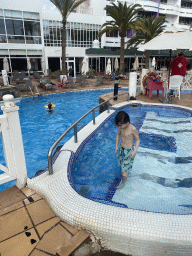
(152, 6)
(185, 12)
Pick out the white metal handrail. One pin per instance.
(74, 126)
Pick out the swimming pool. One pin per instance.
(161, 179)
(40, 128)
(121, 229)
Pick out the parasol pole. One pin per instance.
(169, 67)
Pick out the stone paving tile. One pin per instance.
(40, 211)
(32, 199)
(71, 229)
(27, 191)
(78, 239)
(38, 253)
(11, 208)
(14, 223)
(45, 226)
(10, 196)
(20, 245)
(54, 239)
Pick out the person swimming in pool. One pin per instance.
(49, 105)
(127, 133)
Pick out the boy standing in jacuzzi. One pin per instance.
(127, 132)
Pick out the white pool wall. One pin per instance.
(128, 231)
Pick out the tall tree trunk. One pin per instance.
(122, 62)
(147, 59)
(64, 67)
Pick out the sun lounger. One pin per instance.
(17, 78)
(37, 75)
(99, 80)
(46, 84)
(29, 86)
(70, 82)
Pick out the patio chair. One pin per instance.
(175, 83)
(153, 86)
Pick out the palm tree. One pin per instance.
(65, 7)
(146, 29)
(123, 19)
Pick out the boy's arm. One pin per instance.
(117, 141)
(137, 142)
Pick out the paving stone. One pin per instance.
(38, 253)
(40, 211)
(19, 245)
(14, 223)
(11, 208)
(10, 196)
(32, 199)
(54, 239)
(70, 228)
(43, 227)
(27, 191)
(79, 238)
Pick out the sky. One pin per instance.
(46, 5)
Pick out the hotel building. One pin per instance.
(29, 30)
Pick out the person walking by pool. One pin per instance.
(178, 66)
(126, 133)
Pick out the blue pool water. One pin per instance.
(40, 128)
(161, 179)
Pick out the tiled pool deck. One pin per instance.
(30, 227)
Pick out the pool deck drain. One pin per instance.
(30, 227)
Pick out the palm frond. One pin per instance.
(66, 6)
(146, 29)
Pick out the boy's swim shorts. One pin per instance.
(124, 159)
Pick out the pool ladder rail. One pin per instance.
(74, 126)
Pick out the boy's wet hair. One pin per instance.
(122, 117)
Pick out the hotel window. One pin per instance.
(15, 33)
(32, 32)
(113, 34)
(2, 32)
(77, 34)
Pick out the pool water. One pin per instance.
(161, 179)
(40, 128)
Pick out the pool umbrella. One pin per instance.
(136, 63)
(108, 68)
(28, 64)
(171, 38)
(116, 64)
(43, 65)
(85, 66)
(5, 64)
(153, 62)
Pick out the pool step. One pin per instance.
(30, 227)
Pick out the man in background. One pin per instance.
(179, 65)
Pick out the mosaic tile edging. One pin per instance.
(123, 230)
